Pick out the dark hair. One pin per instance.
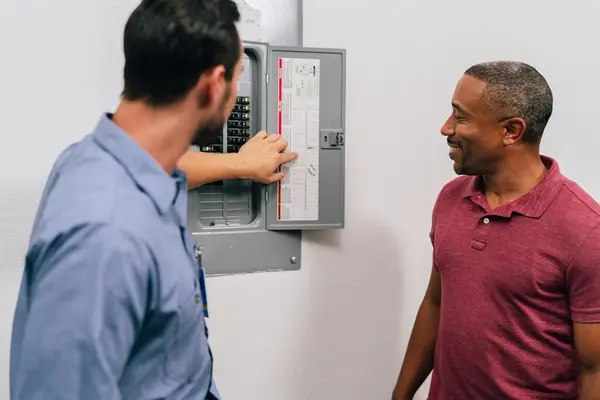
(169, 44)
(515, 89)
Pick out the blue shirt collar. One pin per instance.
(165, 191)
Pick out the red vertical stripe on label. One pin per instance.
(280, 96)
(279, 120)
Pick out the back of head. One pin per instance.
(169, 44)
(515, 89)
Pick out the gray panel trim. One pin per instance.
(258, 53)
(246, 248)
(332, 160)
(250, 251)
(231, 249)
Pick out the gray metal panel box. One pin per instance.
(294, 105)
(244, 226)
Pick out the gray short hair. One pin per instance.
(516, 89)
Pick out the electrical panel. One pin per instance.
(237, 131)
(243, 226)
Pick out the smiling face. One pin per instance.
(474, 134)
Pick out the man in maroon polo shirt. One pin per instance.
(512, 310)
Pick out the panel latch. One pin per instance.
(332, 139)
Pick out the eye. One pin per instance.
(458, 117)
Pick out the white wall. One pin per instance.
(280, 21)
(337, 328)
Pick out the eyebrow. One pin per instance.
(458, 108)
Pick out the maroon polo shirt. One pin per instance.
(514, 280)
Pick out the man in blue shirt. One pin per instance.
(110, 305)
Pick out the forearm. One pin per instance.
(418, 360)
(202, 168)
(590, 384)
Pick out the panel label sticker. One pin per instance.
(298, 123)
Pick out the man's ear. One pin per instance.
(211, 85)
(514, 129)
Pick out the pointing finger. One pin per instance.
(281, 145)
(287, 157)
(261, 135)
(274, 138)
(275, 177)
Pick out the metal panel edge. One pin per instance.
(306, 225)
(251, 249)
(246, 252)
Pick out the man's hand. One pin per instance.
(257, 160)
(260, 157)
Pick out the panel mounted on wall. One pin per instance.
(227, 218)
(244, 226)
(306, 105)
(235, 204)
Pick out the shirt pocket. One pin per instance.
(187, 354)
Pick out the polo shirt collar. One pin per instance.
(147, 173)
(532, 204)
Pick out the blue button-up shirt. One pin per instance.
(110, 304)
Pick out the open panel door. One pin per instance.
(306, 105)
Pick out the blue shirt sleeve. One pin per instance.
(87, 298)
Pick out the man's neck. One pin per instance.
(515, 178)
(161, 132)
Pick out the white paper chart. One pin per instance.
(298, 123)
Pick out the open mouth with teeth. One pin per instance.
(455, 148)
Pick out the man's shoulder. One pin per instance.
(573, 211)
(574, 199)
(88, 188)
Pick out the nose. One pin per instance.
(448, 127)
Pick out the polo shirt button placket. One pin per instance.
(479, 240)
